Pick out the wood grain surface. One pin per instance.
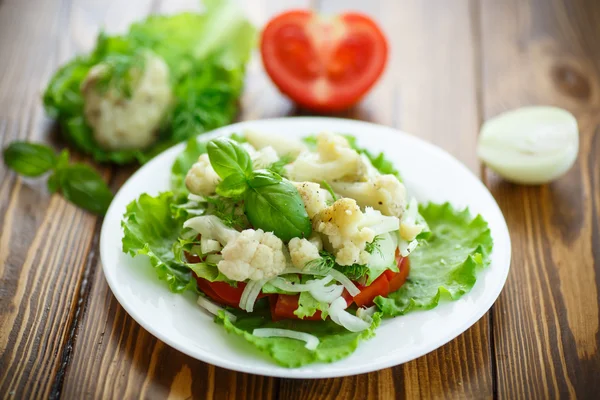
(453, 64)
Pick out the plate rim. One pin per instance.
(300, 373)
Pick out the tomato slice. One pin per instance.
(399, 278)
(323, 64)
(285, 305)
(379, 287)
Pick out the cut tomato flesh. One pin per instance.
(379, 287)
(323, 64)
(285, 305)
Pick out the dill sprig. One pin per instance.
(375, 245)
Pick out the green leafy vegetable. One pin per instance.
(308, 306)
(206, 57)
(82, 186)
(335, 341)
(276, 207)
(232, 186)
(445, 268)
(29, 159)
(184, 162)
(354, 271)
(79, 183)
(227, 157)
(150, 229)
(230, 211)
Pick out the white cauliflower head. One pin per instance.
(128, 122)
(202, 179)
(384, 193)
(283, 145)
(210, 227)
(314, 198)
(264, 157)
(254, 254)
(346, 230)
(303, 251)
(334, 160)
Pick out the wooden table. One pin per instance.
(453, 64)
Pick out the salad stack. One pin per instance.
(302, 247)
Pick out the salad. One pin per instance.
(302, 247)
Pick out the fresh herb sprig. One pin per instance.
(78, 183)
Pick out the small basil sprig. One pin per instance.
(271, 203)
(79, 183)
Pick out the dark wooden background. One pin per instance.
(453, 64)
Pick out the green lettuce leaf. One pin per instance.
(444, 267)
(308, 306)
(206, 60)
(335, 341)
(150, 229)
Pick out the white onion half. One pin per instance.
(530, 145)
(213, 308)
(311, 341)
(344, 280)
(339, 315)
(326, 294)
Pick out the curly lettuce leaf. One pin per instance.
(150, 229)
(308, 306)
(206, 60)
(335, 341)
(446, 266)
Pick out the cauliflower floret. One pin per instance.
(340, 223)
(202, 179)
(384, 193)
(347, 230)
(119, 122)
(283, 145)
(254, 254)
(334, 160)
(303, 251)
(264, 157)
(315, 199)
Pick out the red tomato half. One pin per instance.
(323, 64)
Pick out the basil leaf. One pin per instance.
(54, 179)
(263, 177)
(29, 159)
(228, 157)
(232, 186)
(277, 208)
(84, 187)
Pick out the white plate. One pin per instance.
(430, 174)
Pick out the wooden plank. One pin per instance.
(39, 278)
(546, 321)
(430, 90)
(113, 356)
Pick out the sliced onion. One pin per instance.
(311, 341)
(196, 198)
(407, 247)
(209, 245)
(250, 293)
(366, 314)
(213, 308)
(292, 270)
(344, 280)
(283, 284)
(326, 294)
(339, 315)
